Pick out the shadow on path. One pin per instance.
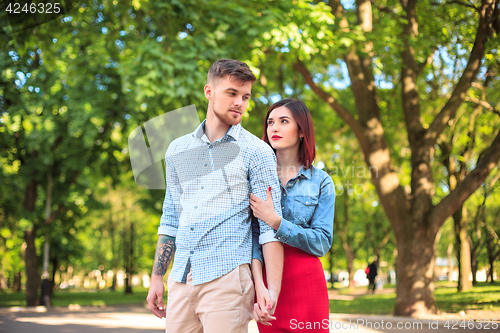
(93, 321)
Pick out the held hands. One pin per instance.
(155, 297)
(264, 210)
(263, 310)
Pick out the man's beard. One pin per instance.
(227, 118)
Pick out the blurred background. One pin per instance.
(405, 103)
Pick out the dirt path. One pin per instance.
(136, 319)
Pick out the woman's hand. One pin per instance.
(263, 310)
(264, 210)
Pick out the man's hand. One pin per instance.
(155, 297)
(165, 249)
(263, 310)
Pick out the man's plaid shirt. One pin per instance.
(206, 206)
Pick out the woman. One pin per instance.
(308, 198)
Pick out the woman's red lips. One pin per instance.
(276, 137)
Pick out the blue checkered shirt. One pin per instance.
(206, 206)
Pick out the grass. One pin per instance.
(82, 298)
(483, 297)
(379, 304)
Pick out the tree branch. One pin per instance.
(486, 162)
(456, 2)
(341, 111)
(459, 93)
(484, 104)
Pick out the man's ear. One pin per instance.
(208, 91)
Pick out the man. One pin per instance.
(206, 216)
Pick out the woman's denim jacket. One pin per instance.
(308, 204)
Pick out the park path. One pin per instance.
(136, 319)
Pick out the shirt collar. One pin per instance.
(307, 173)
(233, 132)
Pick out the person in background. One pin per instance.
(372, 274)
(305, 229)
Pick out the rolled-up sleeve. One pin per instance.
(316, 239)
(256, 247)
(169, 221)
(262, 175)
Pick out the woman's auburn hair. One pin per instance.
(301, 115)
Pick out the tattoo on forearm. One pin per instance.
(164, 254)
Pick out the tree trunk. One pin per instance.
(55, 264)
(491, 270)
(350, 269)
(473, 265)
(17, 282)
(30, 256)
(129, 259)
(331, 261)
(114, 260)
(46, 284)
(113, 284)
(463, 250)
(415, 262)
(33, 278)
(451, 267)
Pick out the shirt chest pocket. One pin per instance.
(303, 208)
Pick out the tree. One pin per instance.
(71, 87)
(395, 44)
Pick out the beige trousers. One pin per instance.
(222, 305)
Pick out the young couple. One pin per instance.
(216, 177)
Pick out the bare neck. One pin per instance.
(288, 162)
(214, 128)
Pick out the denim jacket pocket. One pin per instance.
(303, 208)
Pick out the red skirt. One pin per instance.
(303, 301)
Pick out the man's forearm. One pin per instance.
(273, 257)
(165, 249)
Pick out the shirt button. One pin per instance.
(279, 237)
(307, 202)
(191, 252)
